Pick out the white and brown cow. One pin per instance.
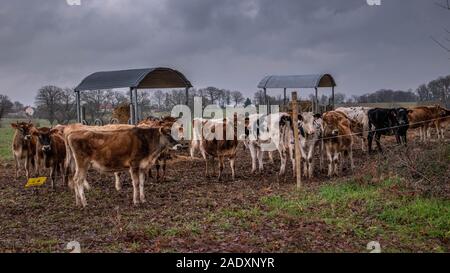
(133, 149)
(338, 141)
(359, 122)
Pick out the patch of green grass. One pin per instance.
(345, 192)
(6, 136)
(172, 232)
(152, 231)
(430, 217)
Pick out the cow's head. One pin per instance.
(310, 124)
(25, 129)
(44, 136)
(402, 116)
(331, 124)
(166, 139)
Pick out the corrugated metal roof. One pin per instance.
(297, 81)
(159, 77)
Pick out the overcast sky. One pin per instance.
(230, 44)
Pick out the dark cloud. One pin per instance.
(228, 43)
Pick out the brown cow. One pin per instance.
(134, 149)
(424, 117)
(212, 146)
(442, 123)
(24, 146)
(338, 140)
(167, 123)
(53, 149)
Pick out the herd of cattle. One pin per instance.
(69, 151)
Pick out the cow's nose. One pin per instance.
(335, 132)
(46, 148)
(27, 137)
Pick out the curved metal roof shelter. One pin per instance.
(160, 77)
(298, 81)
(146, 78)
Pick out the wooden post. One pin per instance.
(78, 101)
(332, 97)
(316, 103)
(296, 139)
(132, 117)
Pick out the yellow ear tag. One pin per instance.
(36, 182)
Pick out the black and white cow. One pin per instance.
(387, 122)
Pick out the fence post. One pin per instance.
(296, 139)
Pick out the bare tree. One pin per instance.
(158, 97)
(96, 104)
(48, 101)
(237, 97)
(5, 105)
(66, 110)
(444, 5)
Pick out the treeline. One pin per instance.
(436, 90)
(58, 105)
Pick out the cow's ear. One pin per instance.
(410, 111)
(35, 133)
(54, 131)
(300, 117)
(317, 116)
(14, 125)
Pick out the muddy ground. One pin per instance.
(192, 213)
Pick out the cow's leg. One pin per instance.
(260, 156)
(350, 157)
(310, 167)
(283, 158)
(363, 144)
(52, 175)
(270, 157)
(63, 173)
(369, 141)
(117, 181)
(337, 166)
(232, 166)
(330, 160)
(135, 180)
(141, 185)
(164, 164)
(80, 177)
(221, 166)
(377, 140)
(158, 172)
(27, 166)
(17, 164)
(194, 146)
(253, 152)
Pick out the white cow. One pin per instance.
(359, 122)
